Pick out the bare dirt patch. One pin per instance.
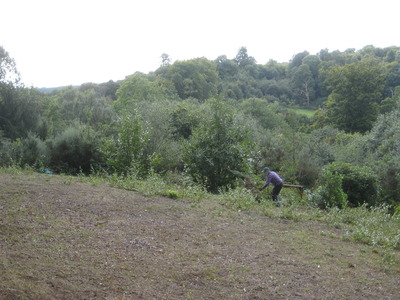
(63, 239)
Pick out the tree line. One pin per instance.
(221, 121)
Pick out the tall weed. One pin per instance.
(237, 199)
(373, 226)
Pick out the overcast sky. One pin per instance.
(70, 42)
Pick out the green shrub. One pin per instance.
(389, 180)
(172, 194)
(124, 151)
(7, 152)
(75, 150)
(359, 184)
(32, 151)
(217, 152)
(330, 193)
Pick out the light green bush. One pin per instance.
(124, 151)
(172, 194)
(218, 149)
(330, 193)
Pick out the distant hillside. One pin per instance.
(50, 89)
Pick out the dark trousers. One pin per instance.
(275, 192)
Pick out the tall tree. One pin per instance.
(165, 60)
(19, 110)
(226, 68)
(243, 59)
(356, 89)
(303, 84)
(197, 78)
(297, 59)
(8, 68)
(139, 88)
(218, 149)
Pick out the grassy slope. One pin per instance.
(64, 239)
(306, 112)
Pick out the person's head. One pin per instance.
(266, 170)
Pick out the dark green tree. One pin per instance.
(243, 59)
(226, 68)
(19, 110)
(297, 59)
(196, 78)
(184, 119)
(356, 89)
(384, 142)
(75, 150)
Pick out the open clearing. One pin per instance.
(64, 239)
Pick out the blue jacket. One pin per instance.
(273, 178)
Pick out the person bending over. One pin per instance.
(274, 179)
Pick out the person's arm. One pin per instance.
(266, 183)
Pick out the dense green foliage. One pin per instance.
(74, 150)
(221, 121)
(330, 192)
(356, 90)
(123, 151)
(218, 150)
(356, 184)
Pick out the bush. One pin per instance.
(172, 194)
(32, 151)
(124, 150)
(358, 183)
(75, 150)
(7, 152)
(384, 143)
(389, 177)
(218, 149)
(330, 193)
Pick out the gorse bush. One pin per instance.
(32, 151)
(75, 150)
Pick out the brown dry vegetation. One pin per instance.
(64, 239)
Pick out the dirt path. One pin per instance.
(69, 240)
